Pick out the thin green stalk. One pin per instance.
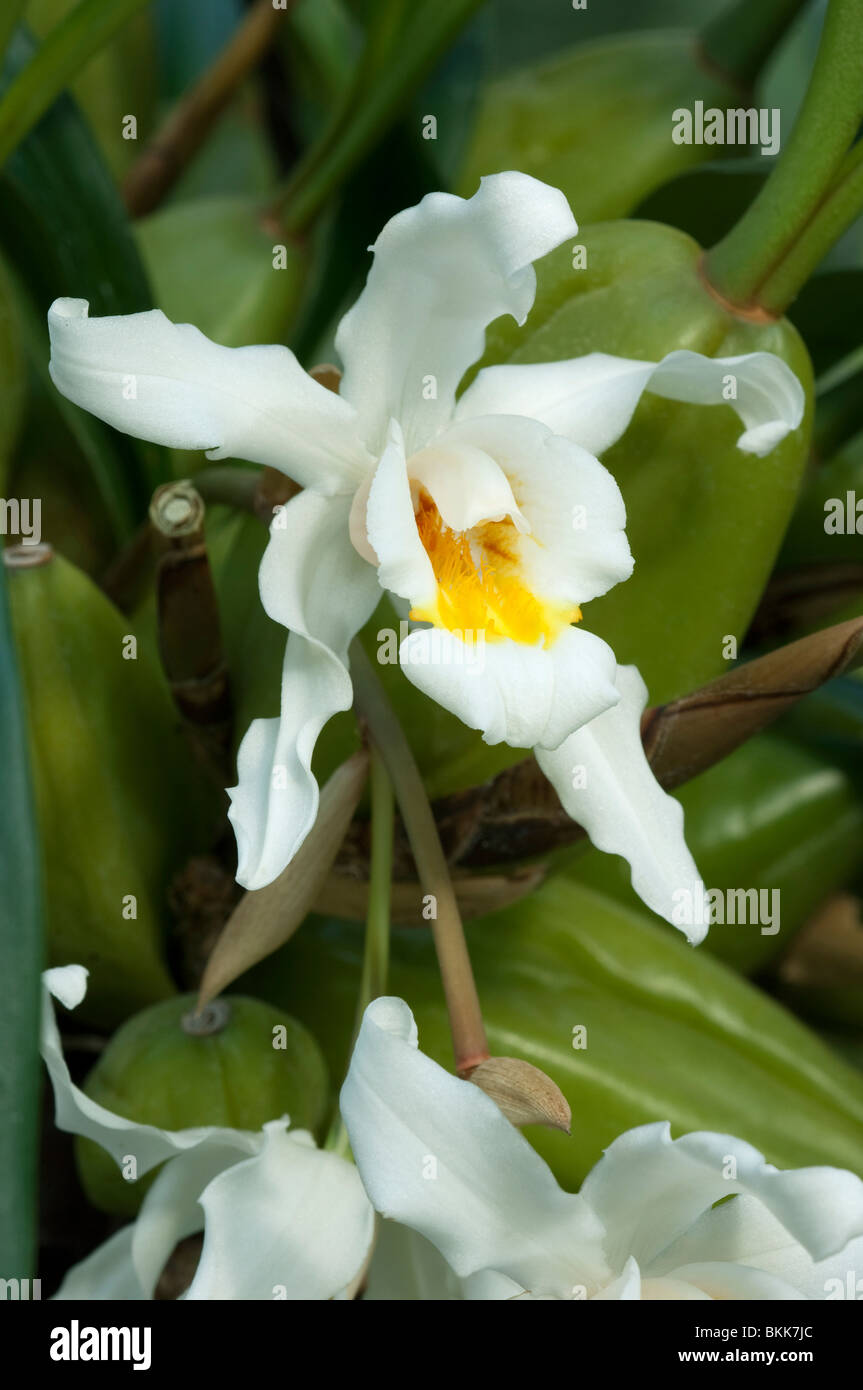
(59, 60)
(376, 955)
(389, 72)
(465, 1016)
(751, 253)
(376, 958)
(741, 38)
(10, 16)
(842, 205)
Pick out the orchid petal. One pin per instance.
(516, 694)
(648, 1190)
(107, 1273)
(403, 565)
(606, 784)
(743, 1232)
(309, 557)
(171, 1209)
(626, 1288)
(592, 399)
(436, 1154)
(466, 484)
(723, 1281)
(442, 271)
(406, 1267)
(573, 547)
(293, 1222)
(77, 1114)
(168, 383)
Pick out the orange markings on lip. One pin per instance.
(479, 587)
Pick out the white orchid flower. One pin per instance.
(281, 1218)
(488, 514)
(436, 1154)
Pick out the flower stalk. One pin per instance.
(468, 1031)
(377, 951)
(164, 158)
(190, 643)
(807, 200)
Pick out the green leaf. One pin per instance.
(12, 13)
(59, 59)
(403, 44)
(21, 934)
(13, 372)
(211, 263)
(120, 80)
(828, 312)
(595, 121)
(65, 231)
(707, 201)
(823, 501)
(671, 1034)
(121, 802)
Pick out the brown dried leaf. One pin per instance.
(688, 735)
(477, 894)
(828, 952)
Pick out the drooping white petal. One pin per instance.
(591, 399)
(293, 1222)
(77, 1114)
(745, 1233)
(605, 783)
(171, 1209)
(436, 1154)
(517, 694)
(573, 546)
(107, 1273)
(648, 1190)
(168, 383)
(442, 272)
(314, 583)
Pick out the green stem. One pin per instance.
(390, 70)
(376, 955)
(841, 206)
(465, 1016)
(377, 950)
(741, 38)
(59, 60)
(751, 253)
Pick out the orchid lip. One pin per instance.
(479, 585)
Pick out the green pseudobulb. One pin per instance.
(239, 1077)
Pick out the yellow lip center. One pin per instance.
(479, 586)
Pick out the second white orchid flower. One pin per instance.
(281, 1218)
(464, 508)
(650, 1222)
